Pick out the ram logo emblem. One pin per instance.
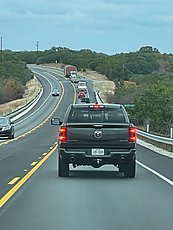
(98, 134)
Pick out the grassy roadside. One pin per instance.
(33, 87)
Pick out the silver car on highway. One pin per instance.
(6, 127)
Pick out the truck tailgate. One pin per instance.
(97, 135)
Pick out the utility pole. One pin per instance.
(1, 49)
(37, 47)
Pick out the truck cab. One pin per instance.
(74, 77)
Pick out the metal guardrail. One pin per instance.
(24, 108)
(98, 98)
(159, 141)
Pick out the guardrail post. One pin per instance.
(171, 132)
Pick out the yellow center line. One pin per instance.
(16, 187)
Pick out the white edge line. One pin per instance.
(155, 173)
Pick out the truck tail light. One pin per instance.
(132, 134)
(62, 134)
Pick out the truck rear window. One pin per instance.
(84, 115)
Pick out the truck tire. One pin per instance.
(11, 136)
(63, 167)
(130, 169)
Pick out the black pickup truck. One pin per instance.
(96, 134)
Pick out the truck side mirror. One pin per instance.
(134, 121)
(56, 121)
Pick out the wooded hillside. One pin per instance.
(13, 77)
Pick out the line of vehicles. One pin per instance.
(70, 72)
(83, 92)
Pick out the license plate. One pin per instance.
(97, 152)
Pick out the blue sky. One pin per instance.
(107, 26)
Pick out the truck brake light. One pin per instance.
(132, 134)
(62, 134)
(96, 106)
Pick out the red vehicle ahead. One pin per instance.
(81, 94)
(69, 69)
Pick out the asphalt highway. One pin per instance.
(90, 199)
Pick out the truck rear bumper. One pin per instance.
(81, 158)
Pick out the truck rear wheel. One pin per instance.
(63, 167)
(129, 168)
(11, 136)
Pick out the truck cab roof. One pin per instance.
(95, 105)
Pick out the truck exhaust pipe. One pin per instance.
(122, 159)
(72, 159)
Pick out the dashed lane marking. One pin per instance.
(13, 181)
(16, 187)
(33, 163)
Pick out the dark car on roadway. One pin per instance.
(85, 100)
(55, 92)
(6, 127)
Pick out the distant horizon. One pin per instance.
(86, 49)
